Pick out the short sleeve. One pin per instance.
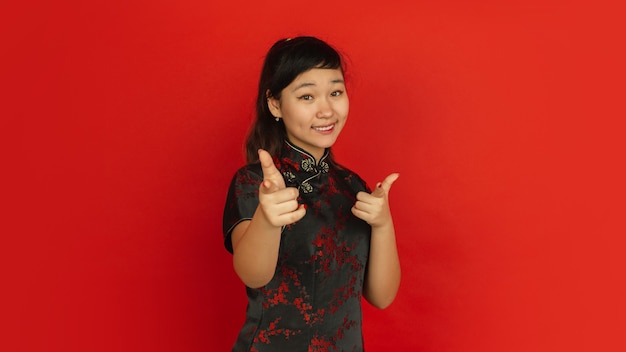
(241, 201)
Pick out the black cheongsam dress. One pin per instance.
(313, 302)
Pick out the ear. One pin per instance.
(274, 105)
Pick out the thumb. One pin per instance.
(383, 188)
(270, 172)
(267, 164)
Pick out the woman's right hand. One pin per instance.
(279, 204)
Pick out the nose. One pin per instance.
(324, 109)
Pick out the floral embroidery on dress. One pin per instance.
(313, 302)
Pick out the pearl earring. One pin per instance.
(277, 119)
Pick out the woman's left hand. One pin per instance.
(374, 208)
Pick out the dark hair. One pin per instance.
(285, 60)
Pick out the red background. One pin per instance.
(124, 122)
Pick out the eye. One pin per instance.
(306, 97)
(336, 93)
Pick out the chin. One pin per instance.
(329, 143)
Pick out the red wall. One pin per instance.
(124, 123)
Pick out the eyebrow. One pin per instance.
(309, 84)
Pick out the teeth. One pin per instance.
(326, 128)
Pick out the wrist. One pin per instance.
(265, 221)
(386, 226)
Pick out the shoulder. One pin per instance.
(349, 176)
(248, 172)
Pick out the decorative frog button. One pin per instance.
(308, 165)
(306, 187)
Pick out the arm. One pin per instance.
(256, 242)
(383, 267)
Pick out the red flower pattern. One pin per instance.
(314, 299)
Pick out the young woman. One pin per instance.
(308, 237)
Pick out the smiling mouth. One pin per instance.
(324, 128)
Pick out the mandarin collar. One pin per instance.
(300, 169)
(302, 160)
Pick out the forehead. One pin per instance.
(319, 76)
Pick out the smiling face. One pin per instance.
(314, 108)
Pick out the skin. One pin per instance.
(314, 108)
